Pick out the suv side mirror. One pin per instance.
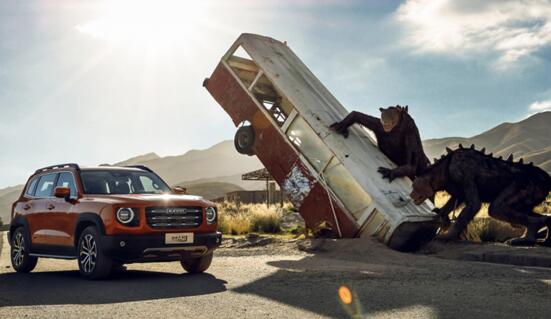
(179, 190)
(62, 192)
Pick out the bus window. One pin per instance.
(243, 66)
(344, 185)
(309, 144)
(273, 101)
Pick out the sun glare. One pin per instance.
(147, 24)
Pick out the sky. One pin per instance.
(101, 81)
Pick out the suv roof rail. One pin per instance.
(73, 165)
(143, 167)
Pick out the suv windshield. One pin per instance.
(122, 182)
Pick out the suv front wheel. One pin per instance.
(93, 263)
(21, 261)
(197, 265)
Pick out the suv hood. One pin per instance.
(157, 199)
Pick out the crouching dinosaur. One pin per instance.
(513, 189)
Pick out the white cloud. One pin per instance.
(511, 29)
(541, 106)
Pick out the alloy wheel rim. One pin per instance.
(88, 253)
(18, 251)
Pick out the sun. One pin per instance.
(146, 24)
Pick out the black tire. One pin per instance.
(19, 253)
(93, 263)
(244, 140)
(197, 265)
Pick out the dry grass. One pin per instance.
(491, 230)
(242, 219)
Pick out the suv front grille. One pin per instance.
(174, 217)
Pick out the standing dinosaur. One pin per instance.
(513, 189)
(397, 136)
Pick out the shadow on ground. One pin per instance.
(67, 287)
(393, 284)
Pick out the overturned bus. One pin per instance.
(283, 113)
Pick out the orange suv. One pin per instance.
(108, 216)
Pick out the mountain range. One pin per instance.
(529, 139)
(217, 170)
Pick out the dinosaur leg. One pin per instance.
(444, 211)
(544, 232)
(472, 206)
(514, 205)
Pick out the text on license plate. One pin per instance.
(179, 238)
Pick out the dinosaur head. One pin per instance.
(422, 190)
(390, 117)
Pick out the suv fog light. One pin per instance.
(125, 215)
(210, 214)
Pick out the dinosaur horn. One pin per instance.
(510, 158)
(472, 146)
(448, 150)
(491, 154)
(483, 150)
(460, 145)
(521, 161)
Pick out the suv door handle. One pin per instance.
(51, 206)
(27, 207)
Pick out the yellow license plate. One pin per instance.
(179, 238)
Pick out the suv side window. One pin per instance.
(45, 186)
(66, 179)
(31, 187)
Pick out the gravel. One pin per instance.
(277, 280)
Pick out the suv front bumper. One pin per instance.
(152, 248)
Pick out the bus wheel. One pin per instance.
(244, 140)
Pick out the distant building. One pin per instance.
(271, 195)
(254, 197)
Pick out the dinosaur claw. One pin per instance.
(339, 128)
(386, 172)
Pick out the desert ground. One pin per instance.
(278, 280)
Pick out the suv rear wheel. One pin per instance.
(197, 265)
(93, 263)
(20, 248)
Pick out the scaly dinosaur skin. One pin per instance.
(472, 177)
(397, 136)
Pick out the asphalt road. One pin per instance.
(281, 282)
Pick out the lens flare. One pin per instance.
(345, 294)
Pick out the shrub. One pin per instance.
(266, 220)
(239, 219)
(491, 230)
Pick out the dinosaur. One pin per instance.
(397, 137)
(472, 177)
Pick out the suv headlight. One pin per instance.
(210, 215)
(127, 216)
